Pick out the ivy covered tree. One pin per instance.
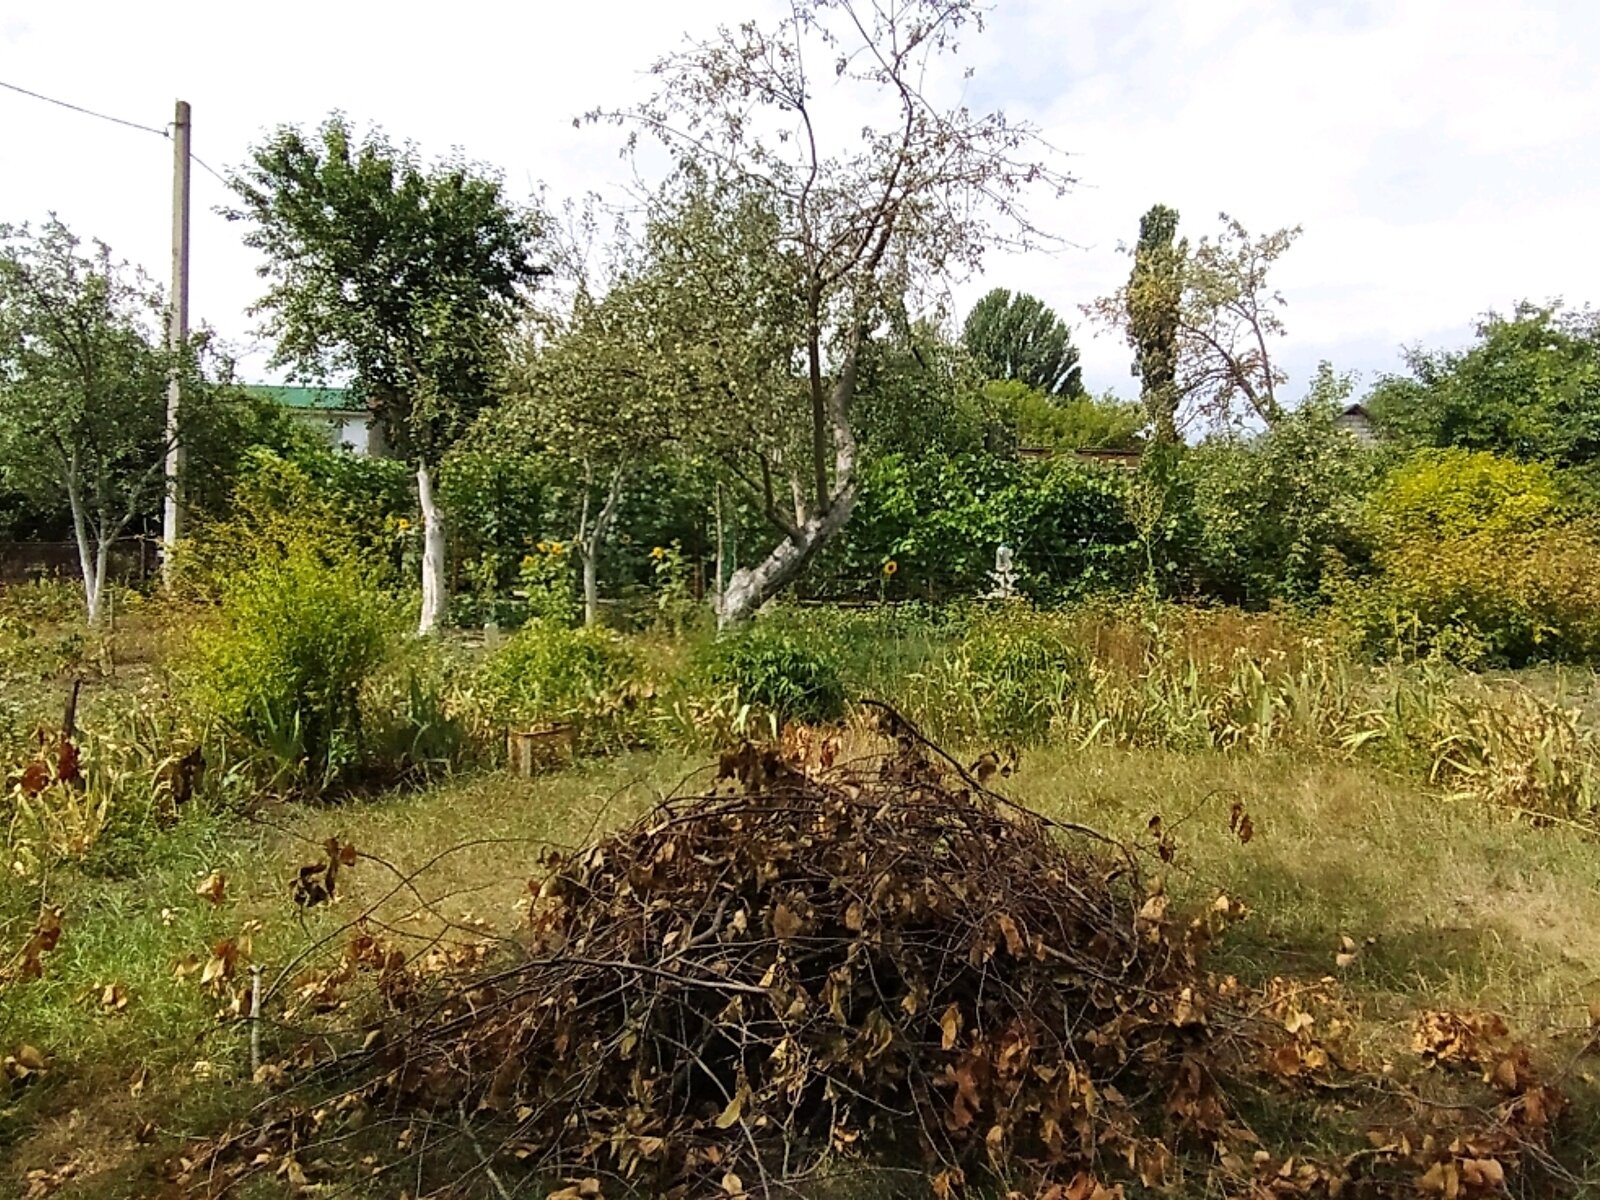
(1017, 337)
(403, 278)
(83, 381)
(793, 242)
(1212, 356)
(1155, 291)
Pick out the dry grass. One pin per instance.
(1464, 906)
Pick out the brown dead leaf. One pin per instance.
(786, 923)
(113, 997)
(212, 887)
(1016, 945)
(581, 1189)
(1240, 823)
(950, 1025)
(45, 937)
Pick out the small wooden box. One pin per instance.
(531, 752)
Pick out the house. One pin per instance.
(1358, 422)
(333, 411)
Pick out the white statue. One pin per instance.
(1004, 575)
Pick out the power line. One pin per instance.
(220, 178)
(86, 111)
(118, 120)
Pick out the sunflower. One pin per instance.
(890, 567)
(658, 553)
(402, 525)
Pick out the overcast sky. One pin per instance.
(1442, 155)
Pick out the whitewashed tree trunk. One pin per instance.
(592, 536)
(591, 585)
(91, 559)
(434, 595)
(751, 587)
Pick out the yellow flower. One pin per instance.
(557, 548)
(890, 567)
(527, 562)
(544, 547)
(402, 524)
(658, 554)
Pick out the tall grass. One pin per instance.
(1187, 679)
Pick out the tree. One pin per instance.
(406, 279)
(1154, 294)
(1018, 337)
(593, 394)
(1226, 320)
(792, 251)
(1084, 423)
(1227, 315)
(83, 380)
(1529, 388)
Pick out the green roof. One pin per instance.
(330, 399)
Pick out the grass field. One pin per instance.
(1450, 905)
(1412, 895)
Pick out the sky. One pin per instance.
(1442, 156)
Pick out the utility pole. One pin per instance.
(177, 337)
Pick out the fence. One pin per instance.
(132, 560)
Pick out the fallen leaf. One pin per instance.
(212, 887)
(729, 1116)
(950, 1024)
(786, 923)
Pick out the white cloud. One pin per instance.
(1444, 157)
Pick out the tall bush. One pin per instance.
(295, 637)
(1269, 514)
(1479, 556)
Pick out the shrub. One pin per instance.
(1494, 597)
(1438, 495)
(295, 638)
(939, 518)
(1479, 561)
(1267, 516)
(547, 672)
(778, 670)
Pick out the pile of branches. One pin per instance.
(881, 965)
(795, 969)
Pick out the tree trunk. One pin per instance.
(435, 595)
(751, 587)
(591, 584)
(592, 536)
(88, 559)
